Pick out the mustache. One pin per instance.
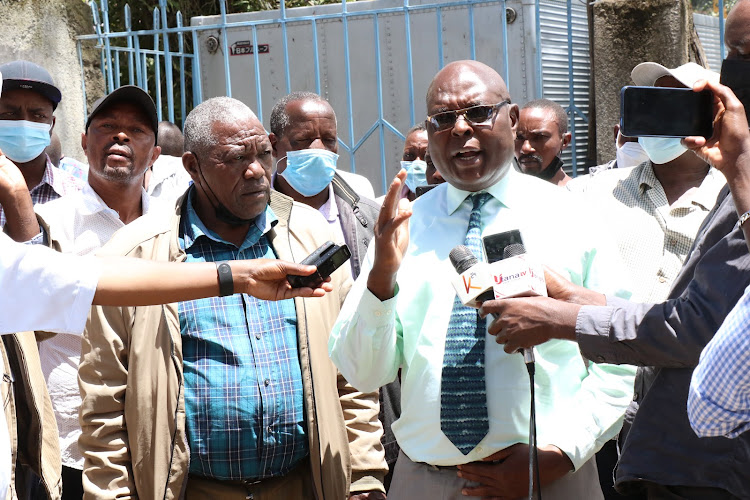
(119, 148)
(528, 157)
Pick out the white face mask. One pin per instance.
(630, 154)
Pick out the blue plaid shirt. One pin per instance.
(243, 384)
(719, 399)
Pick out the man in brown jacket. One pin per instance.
(231, 397)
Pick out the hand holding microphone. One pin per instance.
(478, 282)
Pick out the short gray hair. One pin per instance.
(279, 116)
(198, 128)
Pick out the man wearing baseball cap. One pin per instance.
(660, 205)
(120, 144)
(29, 99)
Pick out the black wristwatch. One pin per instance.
(226, 283)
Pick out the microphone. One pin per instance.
(472, 286)
(514, 274)
(473, 283)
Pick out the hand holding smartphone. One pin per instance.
(327, 258)
(665, 112)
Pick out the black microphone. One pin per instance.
(512, 250)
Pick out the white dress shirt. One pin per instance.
(580, 405)
(81, 223)
(41, 290)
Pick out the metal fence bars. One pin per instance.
(373, 60)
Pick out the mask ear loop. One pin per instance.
(215, 200)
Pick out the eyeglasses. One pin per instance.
(475, 115)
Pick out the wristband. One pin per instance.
(226, 283)
(743, 218)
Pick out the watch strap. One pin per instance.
(226, 282)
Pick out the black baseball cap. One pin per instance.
(29, 76)
(131, 94)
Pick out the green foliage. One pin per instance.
(711, 7)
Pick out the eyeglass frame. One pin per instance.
(462, 112)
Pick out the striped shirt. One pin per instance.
(54, 184)
(719, 399)
(653, 236)
(243, 382)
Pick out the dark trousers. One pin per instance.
(662, 492)
(72, 480)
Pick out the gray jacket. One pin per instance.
(668, 338)
(358, 216)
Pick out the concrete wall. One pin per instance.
(629, 32)
(44, 31)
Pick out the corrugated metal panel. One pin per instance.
(708, 32)
(557, 74)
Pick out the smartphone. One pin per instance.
(328, 257)
(503, 245)
(665, 112)
(423, 189)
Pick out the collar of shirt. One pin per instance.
(704, 195)
(193, 227)
(91, 202)
(54, 178)
(329, 209)
(500, 191)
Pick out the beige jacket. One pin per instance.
(29, 415)
(133, 414)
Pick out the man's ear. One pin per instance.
(274, 141)
(53, 125)
(190, 162)
(567, 136)
(83, 142)
(513, 114)
(154, 155)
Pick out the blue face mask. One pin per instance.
(662, 150)
(22, 141)
(415, 174)
(309, 171)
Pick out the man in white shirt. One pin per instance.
(402, 315)
(167, 178)
(120, 144)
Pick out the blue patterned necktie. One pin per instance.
(463, 399)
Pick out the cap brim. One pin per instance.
(646, 74)
(131, 94)
(49, 91)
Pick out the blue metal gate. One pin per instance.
(549, 57)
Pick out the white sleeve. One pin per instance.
(41, 289)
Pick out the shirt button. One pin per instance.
(672, 241)
(378, 313)
(269, 429)
(257, 335)
(662, 279)
(267, 381)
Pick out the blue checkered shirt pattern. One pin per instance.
(243, 383)
(719, 399)
(54, 184)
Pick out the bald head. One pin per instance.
(737, 32)
(460, 71)
(471, 154)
